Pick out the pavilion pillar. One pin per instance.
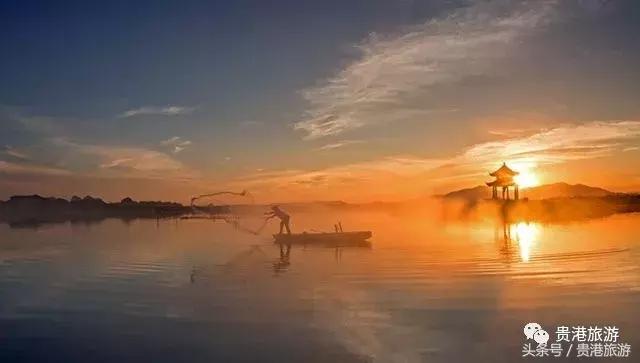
(517, 192)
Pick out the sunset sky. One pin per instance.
(294, 100)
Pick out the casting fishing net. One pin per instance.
(222, 199)
(230, 206)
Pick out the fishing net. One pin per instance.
(222, 199)
(228, 206)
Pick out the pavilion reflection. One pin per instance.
(518, 240)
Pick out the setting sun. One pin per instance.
(527, 179)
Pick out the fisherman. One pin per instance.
(284, 217)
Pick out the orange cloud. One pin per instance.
(402, 176)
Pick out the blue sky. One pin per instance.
(311, 100)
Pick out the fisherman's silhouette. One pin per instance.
(284, 218)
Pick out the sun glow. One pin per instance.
(527, 178)
(526, 234)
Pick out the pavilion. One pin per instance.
(504, 179)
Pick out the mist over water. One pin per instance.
(426, 290)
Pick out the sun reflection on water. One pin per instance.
(526, 234)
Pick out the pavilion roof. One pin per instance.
(504, 170)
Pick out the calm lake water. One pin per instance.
(202, 291)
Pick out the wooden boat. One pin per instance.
(329, 238)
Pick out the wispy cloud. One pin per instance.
(340, 144)
(157, 110)
(509, 132)
(19, 162)
(394, 76)
(405, 174)
(15, 153)
(126, 161)
(17, 168)
(176, 143)
(560, 144)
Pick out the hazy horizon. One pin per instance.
(251, 200)
(297, 102)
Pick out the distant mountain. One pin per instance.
(564, 190)
(32, 210)
(479, 192)
(547, 191)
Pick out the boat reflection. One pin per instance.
(283, 262)
(255, 258)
